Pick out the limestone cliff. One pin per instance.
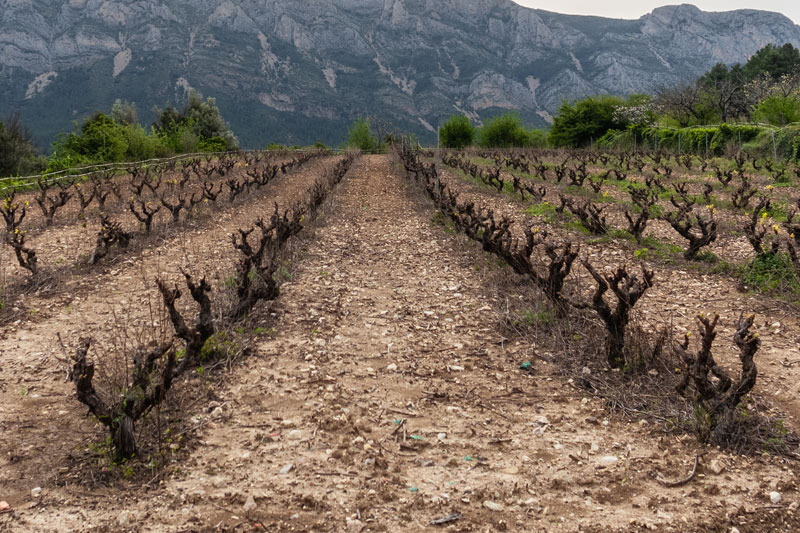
(298, 70)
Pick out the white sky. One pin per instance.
(633, 9)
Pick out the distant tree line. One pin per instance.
(766, 89)
(102, 138)
(118, 136)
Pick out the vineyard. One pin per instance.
(476, 340)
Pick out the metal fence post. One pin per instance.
(438, 157)
(774, 147)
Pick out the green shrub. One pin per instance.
(360, 136)
(778, 110)
(587, 120)
(214, 144)
(457, 132)
(771, 272)
(505, 131)
(141, 146)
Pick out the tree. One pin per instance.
(123, 112)
(457, 132)
(360, 136)
(778, 110)
(383, 130)
(505, 131)
(774, 61)
(208, 121)
(100, 140)
(200, 123)
(684, 103)
(18, 154)
(167, 120)
(722, 89)
(587, 119)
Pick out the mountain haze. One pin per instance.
(300, 70)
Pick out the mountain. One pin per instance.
(294, 71)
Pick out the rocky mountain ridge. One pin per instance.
(300, 70)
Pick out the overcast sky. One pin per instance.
(633, 9)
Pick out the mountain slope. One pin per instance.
(300, 70)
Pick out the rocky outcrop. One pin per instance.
(299, 70)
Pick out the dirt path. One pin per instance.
(387, 399)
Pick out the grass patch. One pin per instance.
(624, 185)
(778, 211)
(771, 273)
(579, 191)
(706, 257)
(656, 249)
(532, 318)
(545, 210)
(612, 235)
(440, 219)
(577, 226)
(725, 268)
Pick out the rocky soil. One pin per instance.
(383, 397)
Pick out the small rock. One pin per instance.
(217, 412)
(775, 497)
(36, 492)
(456, 368)
(250, 504)
(492, 506)
(4, 506)
(286, 469)
(541, 423)
(586, 371)
(441, 436)
(355, 525)
(609, 460)
(792, 506)
(653, 372)
(391, 367)
(123, 518)
(592, 420)
(294, 434)
(716, 467)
